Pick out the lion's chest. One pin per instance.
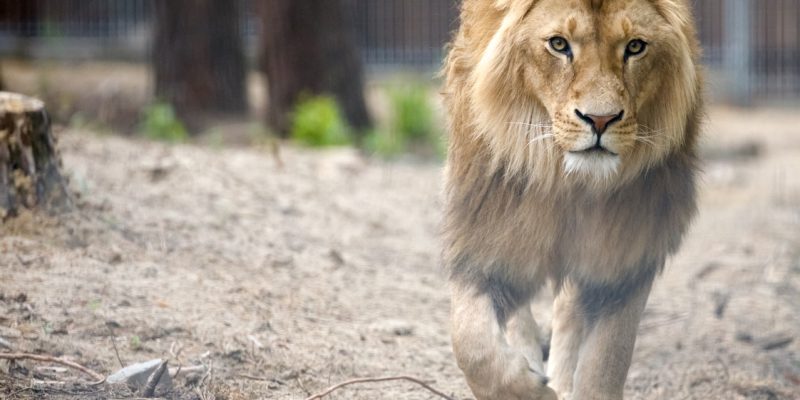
(495, 224)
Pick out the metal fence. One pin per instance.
(754, 45)
(403, 32)
(390, 33)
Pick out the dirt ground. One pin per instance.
(278, 279)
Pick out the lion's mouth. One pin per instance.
(597, 149)
(596, 161)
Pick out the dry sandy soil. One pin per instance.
(283, 279)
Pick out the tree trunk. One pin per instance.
(198, 57)
(29, 163)
(309, 48)
(22, 19)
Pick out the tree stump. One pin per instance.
(29, 163)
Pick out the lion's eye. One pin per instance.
(635, 47)
(560, 45)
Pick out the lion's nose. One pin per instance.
(599, 123)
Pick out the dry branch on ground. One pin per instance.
(382, 379)
(42, 358)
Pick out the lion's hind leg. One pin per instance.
(494, 368)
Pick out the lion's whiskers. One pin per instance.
(647, 135)
(536, 132)
(540, 137)
(529, 124)
(645, 130)
(646, 141)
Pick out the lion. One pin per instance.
(572, 161)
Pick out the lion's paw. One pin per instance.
(518, 382)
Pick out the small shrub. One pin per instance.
(317, 122)
(386, 145)
(160, 122)
(136, 343)
(411, 127)
(412, 113)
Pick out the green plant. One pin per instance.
(317, 122)
(412, 113)
(81, 122)
(78, 121)
(160, 122)
(411, 126)
(438, 144)
(95, 304)
(215, 138)
(136, 343)
(257, 132)
(385, 144)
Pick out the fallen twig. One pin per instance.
(253, 378)
(176, 355)
(61, 361)
(383, 379)
(114, 344)
(255, 341)
(776, 342)
(302, 386)
(153, 379)
(186, 370)
(178, 371)
(25, 389)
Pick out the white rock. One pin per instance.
(135, 376)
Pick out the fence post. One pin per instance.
(737, 51)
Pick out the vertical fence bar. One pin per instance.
(781, 44)
(795, 49)
(737, 55)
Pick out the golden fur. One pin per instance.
(524, 203)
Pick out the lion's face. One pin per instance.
(605, 86)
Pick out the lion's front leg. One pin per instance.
(523, 335)
(569, 324)
(494, 369)
(612, 314)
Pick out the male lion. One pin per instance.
(573, 128)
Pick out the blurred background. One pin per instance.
(258, 186)
(122, 63)
(365, 67)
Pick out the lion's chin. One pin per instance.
(594, 166)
